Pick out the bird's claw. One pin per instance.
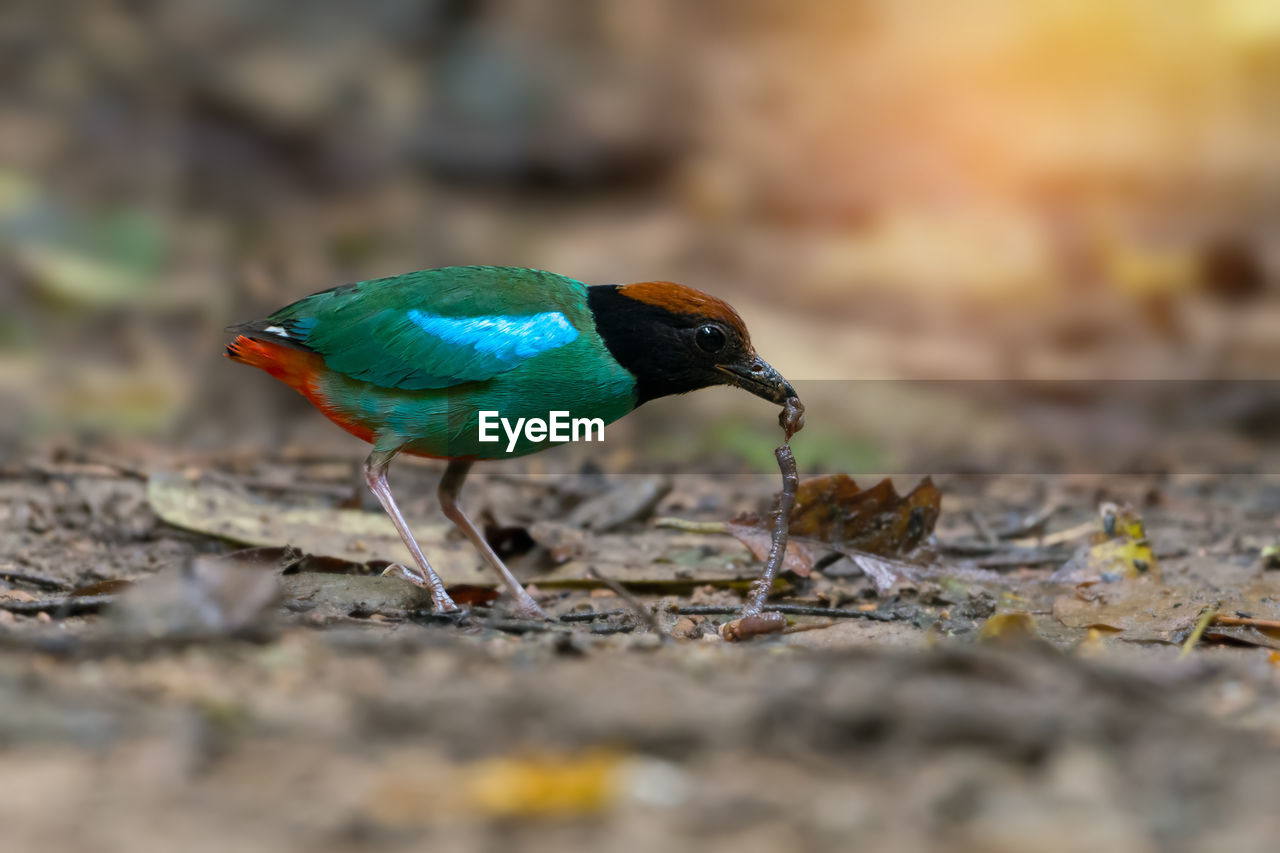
(440, 600)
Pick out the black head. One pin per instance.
(674, 339)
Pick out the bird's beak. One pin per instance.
(755, 375)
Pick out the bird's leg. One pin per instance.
(450, 485)
(375, 474)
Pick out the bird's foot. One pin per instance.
(526, 608)
(440, 600)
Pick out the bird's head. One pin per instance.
(675, 339)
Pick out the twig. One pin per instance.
(1206, 618)
(1014, 559)
(591, 615)
(464, 619)
(787, 610)
(729, 610)
(71, 605)
(645, 614)
(1249, 621)
(691, 526)
(42, 581)
(971, 547)
(1030, 524)
(524, 626)
(1056, 538)
(980, 525)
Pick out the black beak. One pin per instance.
(755, 375)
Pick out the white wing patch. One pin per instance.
(503, 336)
(277, 330)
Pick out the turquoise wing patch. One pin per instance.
(416, 350)
(435, 328)
(509, 339)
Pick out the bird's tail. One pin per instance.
(294, 368)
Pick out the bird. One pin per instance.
(409, 362)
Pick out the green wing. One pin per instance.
(434, 328)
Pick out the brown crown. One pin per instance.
(685, 300)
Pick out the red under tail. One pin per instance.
(297, 369)
(294, 368)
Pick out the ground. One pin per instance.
(339, 714)
(1028, 249)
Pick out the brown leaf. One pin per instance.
(799, 558)
(877, 520)
(216, 510)
(833, 513)
(471, 594)
(107, 587)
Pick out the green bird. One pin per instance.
(409, 364)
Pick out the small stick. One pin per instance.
(688, 526)
(1249, 621)
(645, 614)
(591, 615)
(980, 525)
(59, 607)
(1014, 560)
(1030, 524)
(42, 581)
(524, 626)
(1206, 618)
(1082, 529)
(728, 610)
(788, 609)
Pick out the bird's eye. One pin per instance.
(710, 339)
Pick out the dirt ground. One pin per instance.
(1026, 248)
(199, 709)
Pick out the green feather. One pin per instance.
(365, 330)
(417, 392)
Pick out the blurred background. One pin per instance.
(1066, 190)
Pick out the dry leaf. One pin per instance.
(798, 560)
(352, 535)
(877, 520)
(833, 513)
